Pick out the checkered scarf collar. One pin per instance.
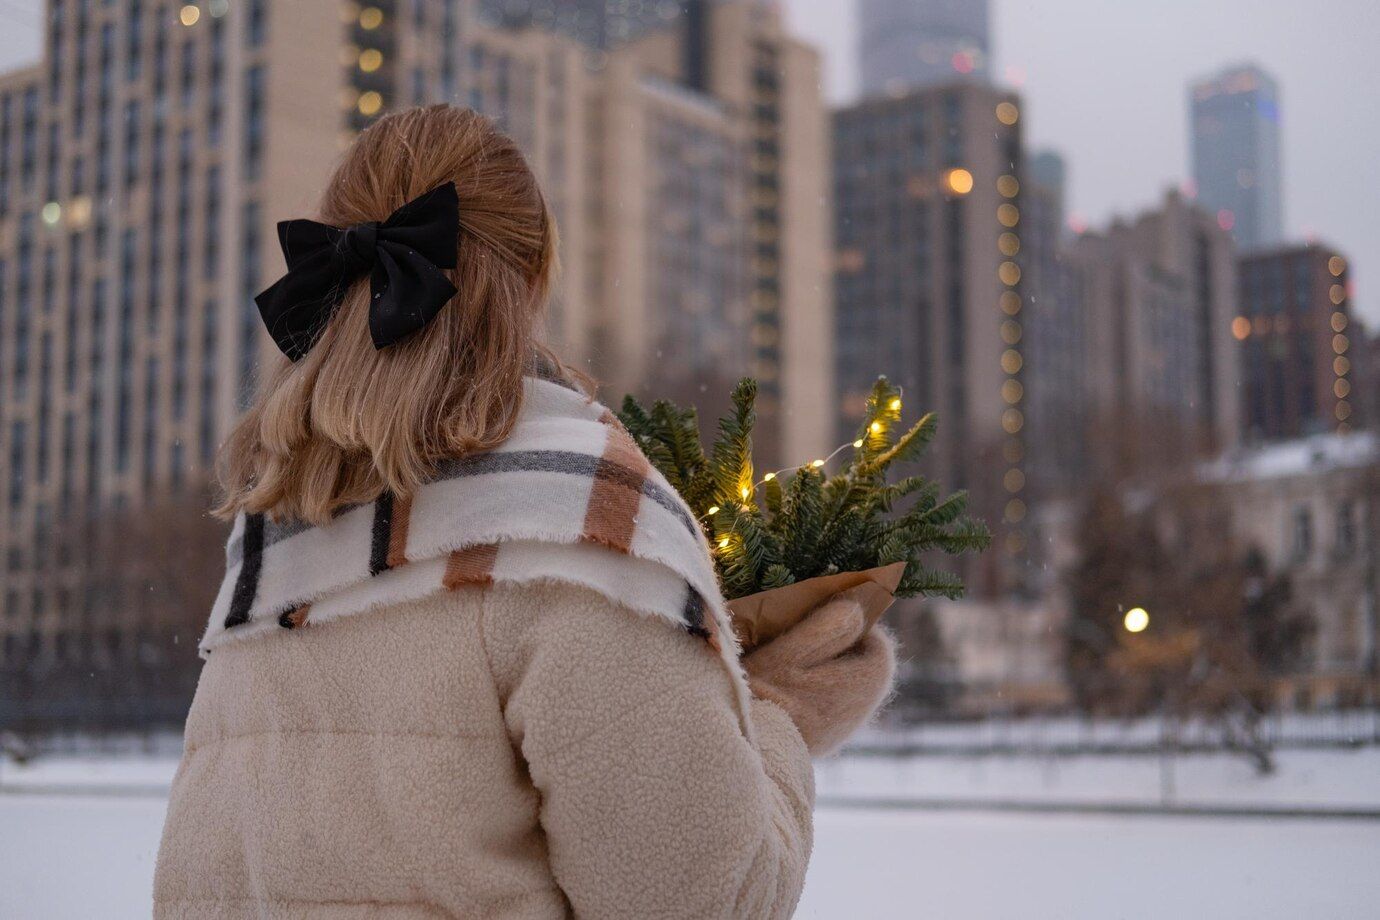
(567, 497)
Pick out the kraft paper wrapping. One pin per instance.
(761, 617)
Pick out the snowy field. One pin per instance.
(78, 839)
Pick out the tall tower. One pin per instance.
(914, 43)
(1236, 155)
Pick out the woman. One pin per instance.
(469, 658)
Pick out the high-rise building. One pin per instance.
(930, 216)
(1236, 153)
(1055, 338)
(1296, 333)
(907, 44)
(597, 23)
(1159, 297)
(145, 160)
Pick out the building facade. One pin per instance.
(1158, 296)
(146, 159)
(1296, 330)
(1235, 135)
(908, 44)
(1309, 508)
(1058, 413)
(597, 23)
(930, 215)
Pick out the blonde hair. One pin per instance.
(347, 421)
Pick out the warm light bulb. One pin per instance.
(745, 491)
(714, 509)
(189, 15)
(858, 443)
(816, 463)
(1136, 620)
(876, 427)
(369, 103)
(769, 477)
(895, 405)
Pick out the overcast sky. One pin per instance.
(1105, 84)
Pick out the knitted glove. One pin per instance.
(829, 672)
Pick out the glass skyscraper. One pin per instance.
(1236, 158)
(915, 43)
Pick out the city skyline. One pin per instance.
(1145, 57)
(1130, 65)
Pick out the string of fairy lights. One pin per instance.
(876, 428)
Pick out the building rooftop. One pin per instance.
(1305, 456)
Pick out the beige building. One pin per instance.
(1311, 508)
(1158, 296)
(145, 160)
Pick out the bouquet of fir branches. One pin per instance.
(791, 539)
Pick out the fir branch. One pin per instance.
(809, 523)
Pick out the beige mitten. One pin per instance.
(829, 672)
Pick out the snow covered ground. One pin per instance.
(78, 839)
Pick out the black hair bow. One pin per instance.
(404, 256)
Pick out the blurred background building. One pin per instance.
(1235, 119)
(914, 43)
(1160, 294)
(146, 159)
(1295, 329)
(927, 228)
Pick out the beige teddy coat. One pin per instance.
(513, 752)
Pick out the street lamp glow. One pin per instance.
(1136, 620)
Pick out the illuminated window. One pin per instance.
(1008, 215)
(1241, 328)
(1336, 265)
(370, 60)
(959, 181)
(1007, 113)
(369, 103)
(189, 15)
(1009, 243)
(370, 18)
(1009, 273)
(1008, 187)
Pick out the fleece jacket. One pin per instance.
(512, 751)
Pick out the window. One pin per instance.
(19, 434)
(1303, 534)
(132, 116)
(258, 23)
(1346, 528)
(254, 121)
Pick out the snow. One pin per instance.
(957, 866)
(78, 838)
(1322, 779)
(1313, 454)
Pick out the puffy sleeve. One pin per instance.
(654, 803)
